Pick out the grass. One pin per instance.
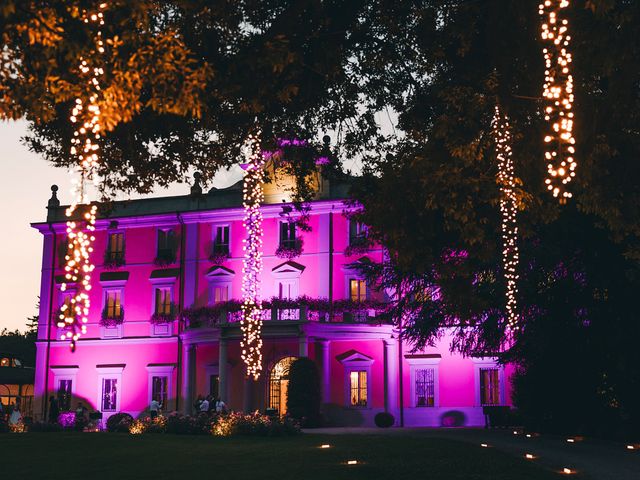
(120, 456)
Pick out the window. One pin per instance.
(113, 304)
(64, 394)
(219, 293)
(357, 233)
(489, 386)
(115, 248)
(165, 253)
(358, 382)
(160, 389)
(288, 234)
(288, 289)
(221, 239)
(163, 301)
(357, 290)
(109, 395)
(214, 385)
(425, 387)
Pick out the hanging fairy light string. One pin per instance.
(508, 211)
(558, 98)
(84, 148)
(251, 323)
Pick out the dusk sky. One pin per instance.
(24, 191)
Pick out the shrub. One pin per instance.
(187, 425)
(119, 422)
(384, 420)
(67, 419)
(304, 395)
(253, 425)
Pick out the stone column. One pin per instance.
(303, 345)
(325, 363)
(391, 375)
(188, 377)
(222, 370)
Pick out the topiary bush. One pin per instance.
(304, 395)
(119, 422)
(384, 420)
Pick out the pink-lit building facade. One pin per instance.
(157, 257)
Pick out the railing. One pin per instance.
(220, 316)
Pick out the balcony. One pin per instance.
(278, 310)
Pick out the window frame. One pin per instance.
(214, 239)
(69, 373)
(482, 363)
(166, 371)
(357, 362)
(170, 240)
(112, 372)
(422, 363)
(360, 236)
(110, 252)
(291, 234)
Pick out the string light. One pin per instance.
(251, 323)
(558, 96)
(508, 210)
(84, 148)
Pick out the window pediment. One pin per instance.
(219, 272)
(288, 269)
(353, 357)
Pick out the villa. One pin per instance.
(164, 319)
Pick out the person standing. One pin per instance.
(16, 415)
(54, 409)
(221, 407)
(154, 408)
(204, 406)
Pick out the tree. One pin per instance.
(304, 394)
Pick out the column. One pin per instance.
(391, 375)
(325, 363)
(222, 370)
(303, 345)
(39, 387)
(188, 377)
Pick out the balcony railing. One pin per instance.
(309, 310)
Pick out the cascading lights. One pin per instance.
(558, 98)
(251, 323)
(508, 210)
(84, 148)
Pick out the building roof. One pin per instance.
(214, 199)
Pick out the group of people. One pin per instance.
(13, 415)
(210, 405)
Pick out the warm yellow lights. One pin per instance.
(251, 323)
(484, 445)
(558, 96)
(508, 209)
(352, 462)
(325, 445)
(84, 148)
(568, 471)
(529, 456)
(571, 440)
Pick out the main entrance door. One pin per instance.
(278, 385)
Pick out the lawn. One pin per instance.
(120, 456)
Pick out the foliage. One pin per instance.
(165, 257)
(109, 320)
(580, 339)
(218, 257)
(290, 249)
(179, 424)
(148, 425)
(119, 422)
(384, 420)
(67, 419)
(158, 318)
(317, 308)
(304, 394)
(255, 424)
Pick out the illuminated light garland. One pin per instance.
(508, 210)
(84, 148)
(251, 323)
(558, 97)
